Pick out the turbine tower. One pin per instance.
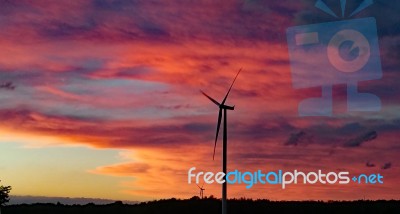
(201, 190)
(223, 108)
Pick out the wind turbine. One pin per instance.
(223, 108)
(201, 190)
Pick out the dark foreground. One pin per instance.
(211, 206)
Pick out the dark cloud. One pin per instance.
(299, 138)
(350, 128)
(199, 127)
(261, 130)
(246, 93)
(108, 134)
(153, 30)
(114, 5)
(386, 166)
(268, 156)
(175, 107)
(369, 164)
(358, 141)
(343, 135)
(108, 20)
(60, 30)
(133, 72)
(7, 86)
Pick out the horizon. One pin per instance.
(101, 99)
(28, 199)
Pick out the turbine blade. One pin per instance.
(214, 101)
(226, 96)
(218, 125)
(198, 186)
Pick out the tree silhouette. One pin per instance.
(4, 197)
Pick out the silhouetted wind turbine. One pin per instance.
(201, 190)
(223, 107)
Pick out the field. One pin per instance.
(211, 206)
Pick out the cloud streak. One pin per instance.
(358, 141)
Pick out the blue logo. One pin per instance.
(340, 52)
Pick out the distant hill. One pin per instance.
(17, 199)
(212, 206)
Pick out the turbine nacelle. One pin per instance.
(221, 106)
(227, 107)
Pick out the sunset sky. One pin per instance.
(105, 101)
